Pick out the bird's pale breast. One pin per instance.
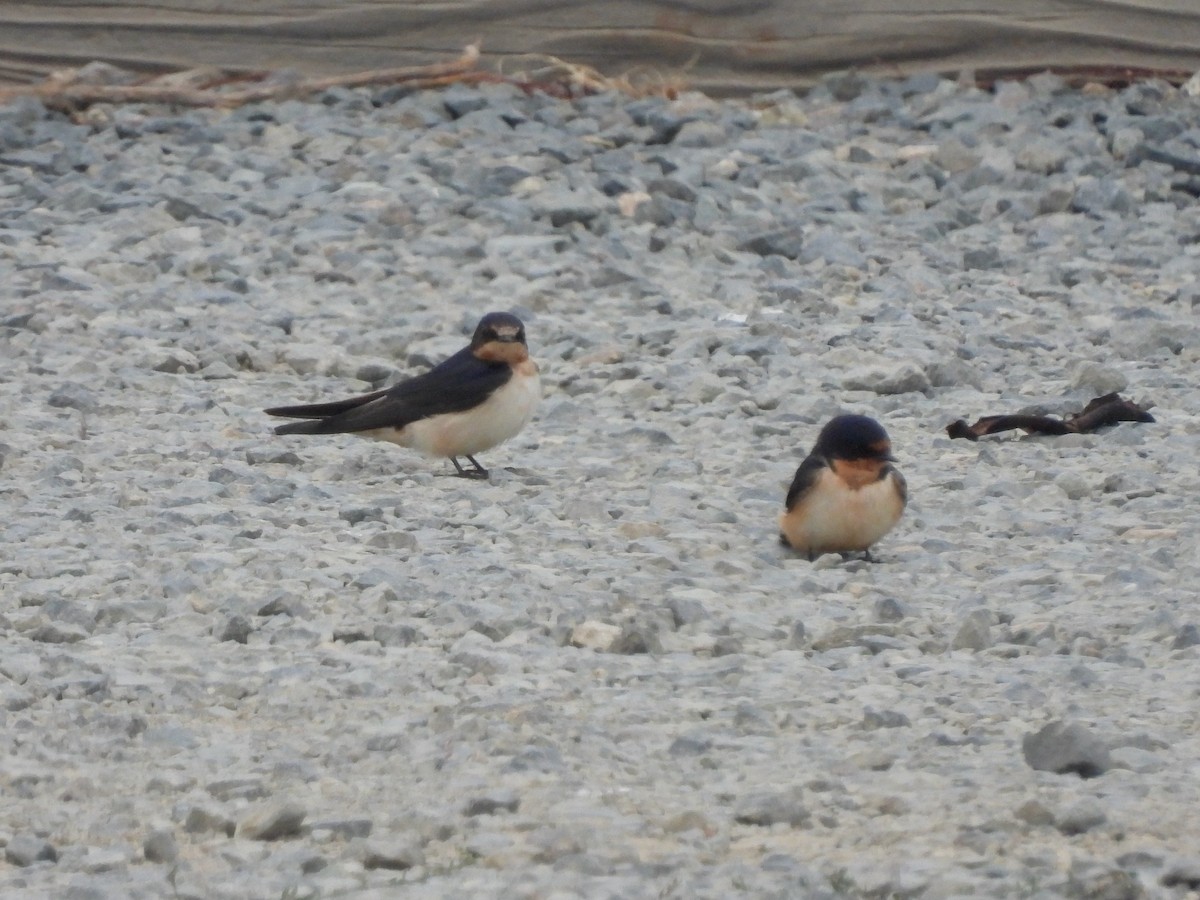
(834, 517)
(500, 417)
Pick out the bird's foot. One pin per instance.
(848, 555)
(479, 473)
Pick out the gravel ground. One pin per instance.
(244, 666)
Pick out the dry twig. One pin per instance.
(73, 90)
(65, 92)
(566, 79)
(1107, 410)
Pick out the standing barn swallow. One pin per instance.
(482, 395)
(846, 494)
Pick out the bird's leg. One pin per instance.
(851, 555)
(478, 472)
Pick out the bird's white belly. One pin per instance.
(834, 517)
(500, 417)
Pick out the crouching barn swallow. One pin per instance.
(846, 494)
(481, 396)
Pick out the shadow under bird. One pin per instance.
(847, 493)
(481, 396)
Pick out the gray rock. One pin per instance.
(1074, 485)
(1100, 195)
(562, 207)
(1103, 882)
(345, 829)
(844, 86)
(460, 100)
(1138, 760)
(673, 188)
(498, 181)
(272, 821)
(600, 636)
(56, 633)
(637, 638)
(396, 854)
(280, 605)
(727, 644)
(1056, 198)
(688, 608)
(1035, 813)
(658, 210)
(1080, 817)
(983, 258)
(767, 808)
(797, 636)
(492, 803)
(902, 379)
(396, 635)
(160, 847)
(1043, 155)
(74, 396)
(1183, 872)
(974, 633)
(851, 636)
(1187, 636)
(200, 818)
(170, 736)
(691, 745)
(889, 609)
(1097, 378)
(26, 849)
(953, 156)
(393, 540)
(831, 247)
(884, 718)
(1066, 747)
(233, 628)
(354, 515)
(277, 455)
(700, 134)
(172, 361)
(785, 242)
(249, 788)
(536, 758)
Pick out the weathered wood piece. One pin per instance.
(206, 87)
(1100, 412)
(720, 46)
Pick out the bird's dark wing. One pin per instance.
(806, 477)
(458, 384)
(322, 410)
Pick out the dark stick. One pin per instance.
(1099, 413)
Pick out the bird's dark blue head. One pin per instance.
(854, 437)
(502, 327)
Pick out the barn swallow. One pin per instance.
(846, 494)
(482, 395)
